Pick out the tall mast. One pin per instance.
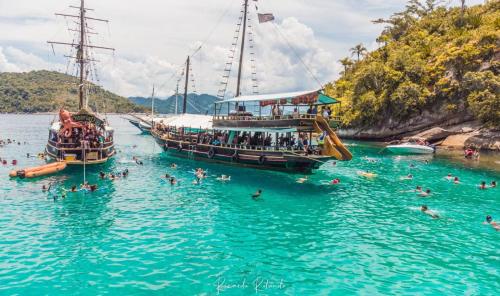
(81, 46)
(184, 104)
(81, 56)
(153, 104)
(177, 98)
(238, 86)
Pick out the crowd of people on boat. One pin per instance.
(247, 140)
(89, 136)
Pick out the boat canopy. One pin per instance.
(187, 120)
(312, 97)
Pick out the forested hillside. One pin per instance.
(433, 63)
(45, 91)
(196, 104)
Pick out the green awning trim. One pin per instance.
(326, 100)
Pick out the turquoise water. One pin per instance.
(142, 236)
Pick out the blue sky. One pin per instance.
(153, 37)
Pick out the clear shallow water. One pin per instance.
(141, 236)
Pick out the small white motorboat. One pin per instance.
(410, 148)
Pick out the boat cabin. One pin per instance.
(287, 110)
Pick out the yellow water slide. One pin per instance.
(333, 146)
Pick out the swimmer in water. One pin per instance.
(335, 181)
(173, 166)
(483, 185)
(93, 188)
(426, 193)
(424, 209)
(456, 180)
(489, 221)
(417, 189)
(367, 174)
(46, 188)
(224, 178)
(493, 184)
(449, 177)
(125, 173)
(173, 181)
(167, 176)
(407, 177)
(102, 175)
(302, 180)
(257, 194)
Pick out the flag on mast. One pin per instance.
(265, 17)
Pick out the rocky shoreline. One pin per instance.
(450, 134)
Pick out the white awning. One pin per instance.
(187, 120)
(279, 96)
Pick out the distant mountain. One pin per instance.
(47, 91)
(197, 104)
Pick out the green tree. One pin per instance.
(346, 63)
(359, 50)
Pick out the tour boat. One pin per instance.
(82, 137)
(410, 148)
(276, 131)
(296, 142)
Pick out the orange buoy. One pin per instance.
(39, 171)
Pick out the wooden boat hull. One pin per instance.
(266, 160)
(57, 154)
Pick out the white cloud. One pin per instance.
(153, 36)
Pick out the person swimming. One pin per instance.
(224, 178)
(257, 194)
(456, 180)
(482, 186)
(46, 188)
(407, 177)
(173, 181)
(335, 181)
(93, 188)
(425, 193)
(424, 209)
(302, 180)
(85, 185)
(173, 166)
(167, 176)
(489, 221)
(367, 174)
(102, 175)
(493, 184)
(125, 173)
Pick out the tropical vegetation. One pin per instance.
(46, 91)
(430, 59)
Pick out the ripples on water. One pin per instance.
(141, 235)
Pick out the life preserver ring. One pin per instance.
(179, 148)
(211, 153)
(262, 159)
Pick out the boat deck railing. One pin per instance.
(192, 140)
(272, 117)
(73, 146)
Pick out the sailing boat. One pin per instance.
(84, 137)
(272, 137)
